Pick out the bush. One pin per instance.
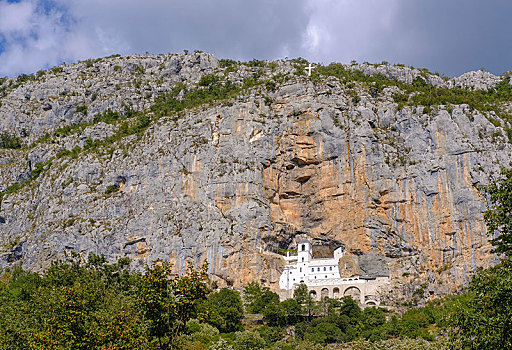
(9, 141)
(271, 334)
(324, 333)
(111, 189)
(248, 341)
(209, 79)
(202, 333)
(81, 109)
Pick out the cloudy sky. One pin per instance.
(448, 36)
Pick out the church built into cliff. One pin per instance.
(323, 279)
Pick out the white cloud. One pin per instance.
(348, 29)
(15, 17)
(77, 29)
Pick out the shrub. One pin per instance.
(248, 341)
(9, 141)
(208, 79)
(81, 109)
(111, 189)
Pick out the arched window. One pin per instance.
(325, 268)
(302, 259)
(303, 247)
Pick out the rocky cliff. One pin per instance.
(269, 156)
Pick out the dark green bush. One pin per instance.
(9, 141)
(81, 109)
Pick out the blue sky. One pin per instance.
(448, 36)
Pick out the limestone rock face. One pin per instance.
(235, 182)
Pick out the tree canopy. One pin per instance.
(499, 217)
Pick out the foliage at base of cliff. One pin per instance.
(95, 305)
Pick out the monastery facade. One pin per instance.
(323, 279)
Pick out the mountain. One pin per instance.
(188, 158)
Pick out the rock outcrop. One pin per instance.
(236, 181)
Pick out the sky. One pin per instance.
(446, 36)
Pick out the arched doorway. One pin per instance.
(354, 292)
(324, 293)
(336, 293)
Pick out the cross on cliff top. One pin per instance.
(309, 69)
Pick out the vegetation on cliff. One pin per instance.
(95, 305)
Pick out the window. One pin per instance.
(325, 276)
(318, 269)
(312, 269)
(303, 247)
(302, 259)
(330, 268)
(300, 269)
(325, 268)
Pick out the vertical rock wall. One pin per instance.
(234, 183)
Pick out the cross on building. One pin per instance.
(309, 69)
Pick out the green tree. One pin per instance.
(72, 305)
(225, 310)
(499, 217)
(351, 309)
(274, 314)
(293, 311)
(483, 318)
(324, 333)
(168, 302)
(258, 297)
(304, 298)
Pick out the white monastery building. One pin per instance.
(323, 279)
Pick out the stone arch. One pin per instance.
(312, 293)
(324, 293)
(371, 303)
(336, 293)
(354, 292)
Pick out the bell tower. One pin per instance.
(304, 251)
